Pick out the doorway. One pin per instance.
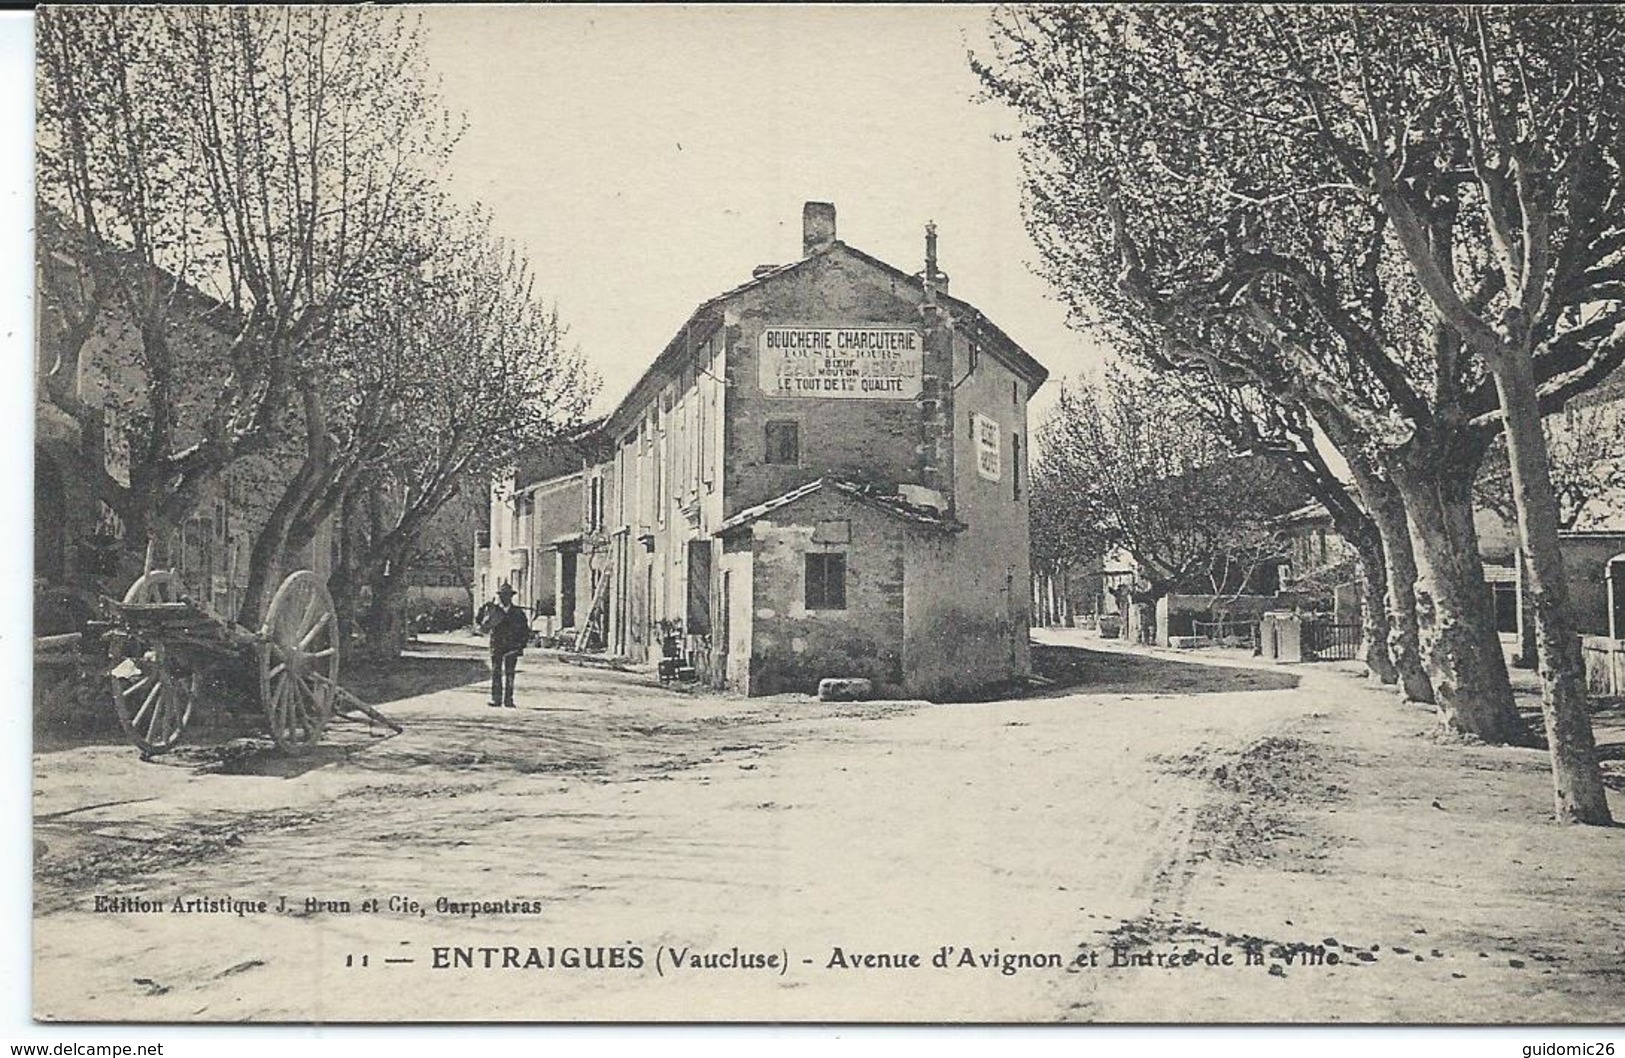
(567, 589)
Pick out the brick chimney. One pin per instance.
(817, 226)
(935, 280)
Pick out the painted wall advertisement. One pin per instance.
(841, 363)
(987, 447)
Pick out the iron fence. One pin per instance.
(1325, 641)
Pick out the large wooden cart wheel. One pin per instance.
(152, 691)
(299, 661)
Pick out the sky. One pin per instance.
(647, 158)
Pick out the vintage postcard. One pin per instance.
(829, 514)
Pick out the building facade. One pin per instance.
(824, 473)
(90, 392)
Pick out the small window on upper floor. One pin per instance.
(595, 504)
(783, 443)
(1015, 394)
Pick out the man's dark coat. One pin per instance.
(509, 629)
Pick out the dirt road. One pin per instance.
(1296, 853)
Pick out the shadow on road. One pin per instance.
(218, 717)
(1070, 670)
(381, 682)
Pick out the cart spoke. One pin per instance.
(307, 712)
(279, 700)
(290, 705)
(309, 612)
(174, 702)
(321, 623)
(147, 702)
(325, 652)
(160, 710)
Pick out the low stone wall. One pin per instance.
(1605, 664)
(1177, 614)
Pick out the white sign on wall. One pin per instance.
(987, 447)
(841, 363)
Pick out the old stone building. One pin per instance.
(91, 394)
(823, 473)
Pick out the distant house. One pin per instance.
(1318, 566)
(534, 536)
(1232, 567)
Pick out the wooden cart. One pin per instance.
(165, 650)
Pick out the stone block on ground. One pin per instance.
(845, 689)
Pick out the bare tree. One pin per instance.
(1128, 466)
(238, 171)
(1408, 223)
(446, 375)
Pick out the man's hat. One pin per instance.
(506, 590)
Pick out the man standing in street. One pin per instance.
(509, 630)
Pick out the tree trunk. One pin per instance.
(1374, 631)
(264, 562)
(158, 552)
(271, 545)
(1455, 611)
(341, 580)
(1576, 778)
(1387, 512)
(384, 623)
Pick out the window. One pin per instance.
(660, 481)
(1015, 466)
(595, 504)
(826, 581)
(699, 588)
(784, 443)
